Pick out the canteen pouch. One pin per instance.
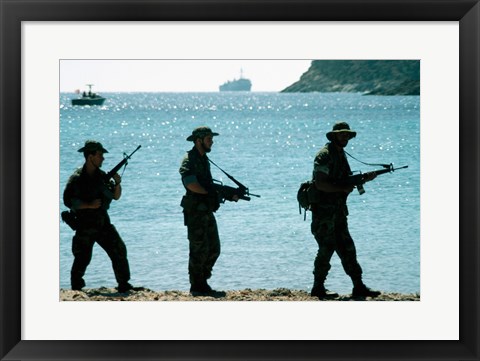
(70, 219)
(307, 196)
(303, 195)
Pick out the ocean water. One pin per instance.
(268, 142)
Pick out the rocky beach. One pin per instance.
(280, 294)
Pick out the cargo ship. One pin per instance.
(241, 84)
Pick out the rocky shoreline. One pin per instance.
(279, 294)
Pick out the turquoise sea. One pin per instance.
(268, 142)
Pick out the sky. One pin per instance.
(177, 75)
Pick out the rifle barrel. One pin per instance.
(134, 151)
(124, 161)
(388, 170)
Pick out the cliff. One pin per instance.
(371, 77)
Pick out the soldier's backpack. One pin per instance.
(303, 198)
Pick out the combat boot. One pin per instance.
(77, 285)
(363, 291)
(124, 287)
(322, 293)
(200, 288)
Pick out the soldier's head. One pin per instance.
(202, 137)
(93, 152)
(341, 134)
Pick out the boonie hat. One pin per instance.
(201, 132)
(92, 146)
(339, 128)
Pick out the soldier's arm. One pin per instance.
(117, 190)
(192, 184)
(189, 178)
(321, 169)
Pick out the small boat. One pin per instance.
(241, 84)
(89, 98)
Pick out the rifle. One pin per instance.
(226, 192)
(358, 180)
(123, 162)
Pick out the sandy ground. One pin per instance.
(280, 294)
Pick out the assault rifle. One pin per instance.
(358, 180)
(123, 162)
(226, 192)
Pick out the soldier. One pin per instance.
(88, 194)
(199, 204)
(329, 214)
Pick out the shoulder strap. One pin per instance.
(371, 164)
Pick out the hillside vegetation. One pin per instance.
(373, 77)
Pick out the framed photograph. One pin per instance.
(39, 39)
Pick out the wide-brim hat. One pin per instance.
(93, 146)
(201, 132)
(341, 127)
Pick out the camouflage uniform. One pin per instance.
(329, 218)
(93, 225)
(198, 214)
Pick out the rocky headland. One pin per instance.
(280, 294)
(370, 77)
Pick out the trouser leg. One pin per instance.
(116, 250)
(323, 230)
(213, 247)
(204, 246)
(346, 250)
(82, 246)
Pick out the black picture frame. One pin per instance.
(12, 347)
